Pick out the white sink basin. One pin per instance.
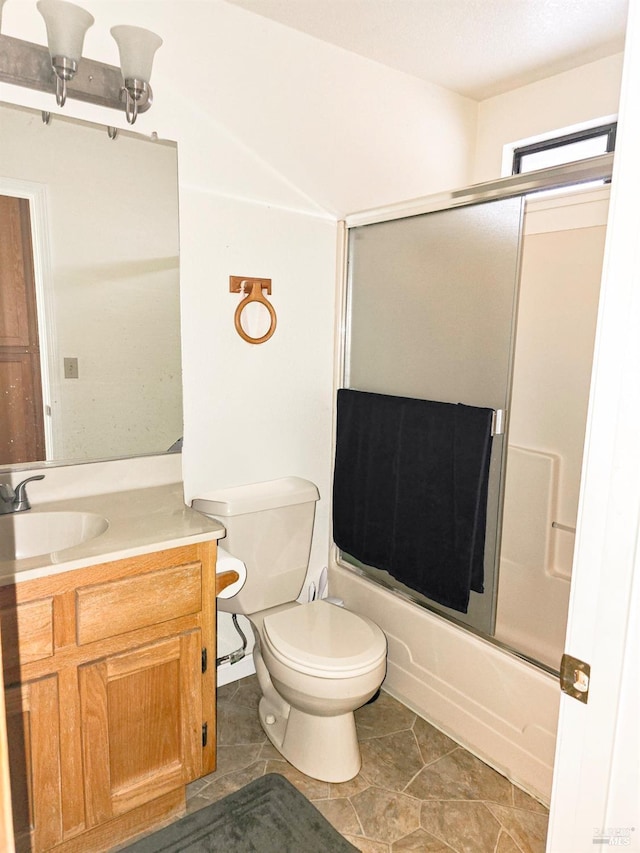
(31, 534)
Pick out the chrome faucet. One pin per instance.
(16, 500)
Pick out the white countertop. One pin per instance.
(140, 521)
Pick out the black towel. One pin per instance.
(410, 491)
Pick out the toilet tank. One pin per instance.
(269, 527)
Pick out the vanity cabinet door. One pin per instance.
(33, 734)
(141, 714)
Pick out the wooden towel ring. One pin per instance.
(254, 288)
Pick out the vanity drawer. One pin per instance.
(127, 604)
(31, 625)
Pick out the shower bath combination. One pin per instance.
(493, 305)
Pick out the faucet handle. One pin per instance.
(21, 487)
(7, 493)
(21, 501)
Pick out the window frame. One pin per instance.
(609, 130)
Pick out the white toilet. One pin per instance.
(316, 662)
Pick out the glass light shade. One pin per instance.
(66, 27)
(137, 48)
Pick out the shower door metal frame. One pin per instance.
(557, 177)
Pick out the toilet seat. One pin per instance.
(324, 640)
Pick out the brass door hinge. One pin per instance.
(574, 678)
(205, 734)
(203, 660)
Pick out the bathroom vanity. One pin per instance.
(109, 669)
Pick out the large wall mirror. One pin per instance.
(89, 292)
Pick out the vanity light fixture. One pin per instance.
(67, 25)
(137, 48)
(60, 68)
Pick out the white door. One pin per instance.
(596, 792)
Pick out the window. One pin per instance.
(565, 149)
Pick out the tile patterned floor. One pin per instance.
(417, 789)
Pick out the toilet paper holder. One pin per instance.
(231, 573)
(254, 289)
(225, 579)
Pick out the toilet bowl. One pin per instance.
(322, 662)
(316, 662)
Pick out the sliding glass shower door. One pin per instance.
(431, 307)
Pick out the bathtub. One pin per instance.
(501, 708)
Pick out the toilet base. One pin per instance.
(324, 748)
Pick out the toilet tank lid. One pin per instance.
(255, 497)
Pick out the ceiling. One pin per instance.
(478, 48)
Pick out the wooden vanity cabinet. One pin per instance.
(110, 693)
(33, 735)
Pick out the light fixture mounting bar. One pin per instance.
(23, 63)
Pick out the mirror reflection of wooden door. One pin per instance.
(21, 417)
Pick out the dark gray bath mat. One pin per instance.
(266, 816)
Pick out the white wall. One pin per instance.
(581, 95)
(277, 134)
(347, 132)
